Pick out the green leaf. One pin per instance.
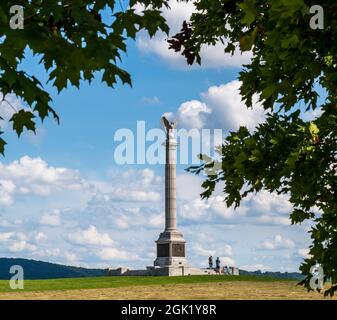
(23, 119)
(247, 41)
(249, 10)
(268, 91)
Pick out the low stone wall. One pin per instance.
(162, 271)
(116, 272)
(137, 273)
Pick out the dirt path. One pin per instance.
(224, 290)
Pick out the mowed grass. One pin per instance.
(123, 281)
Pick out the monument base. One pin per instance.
(171, 256)
(170, 250)
(173, 271)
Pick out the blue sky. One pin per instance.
(64, 199)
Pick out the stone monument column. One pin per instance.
(170, 183)
(171, 244)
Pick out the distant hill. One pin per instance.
(44, 270)
(275, 275)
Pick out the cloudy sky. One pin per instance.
(64, 199)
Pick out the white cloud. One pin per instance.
(36, 169)
(8, 108)
(194, 186)
(211, 210)
(304, 253)
(40, 237)
(47, 253)
(212, 56)
(263, 208)
(142, 189)
(195, 209)
(122, 223)
(227, 261)
(274, 220)
(18, 246)
(157, 220)
(224, 250)
(5, 236)
(109, 254)
(278, 243)
(7, 187)
(218, 204)
(122, 194)
(21, 236)
(221, 107)
(268, 202)
(201, 251)
(16, 242)
(62, 256)
(151, 100)
(227, 250)
(90, 236)
(51, 219)
(71, 257)
(215, 57)
(193, 114)
(33, 176)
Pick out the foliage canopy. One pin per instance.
(74, 41)
(286, 154)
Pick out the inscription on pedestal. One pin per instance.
(178, 250)
(163, 250)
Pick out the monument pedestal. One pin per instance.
(171, 249)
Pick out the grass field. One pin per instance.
(117, 282)
(191, 287)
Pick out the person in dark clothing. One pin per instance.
(217, 263)
(210, 262)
